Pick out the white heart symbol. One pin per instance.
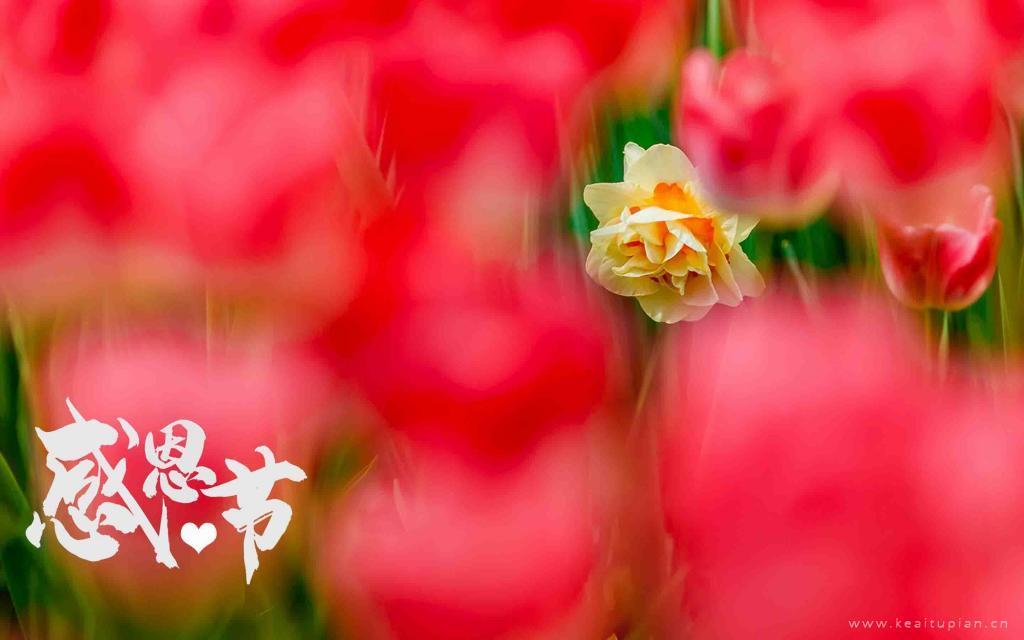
(198, 537)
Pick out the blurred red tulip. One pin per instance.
(646, 67)
(491, 370)
(243, 162)
(598, 30)
(945, 265)
(442, 551)
(210, 166)
(1002, 26)
(907, 87)
(67, 193)
(833, 491)
(918, 115)
(260, 395)
(459, 75)
(1004, 20)
(754, 139)
(457, 68)
(63, 36)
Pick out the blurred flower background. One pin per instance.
(399, 242)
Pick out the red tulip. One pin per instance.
(945, 265)
(54, 35)
(1002, 26)
(754, 139)
(242, 161)
(490, 372)
(67, 193)
(906, 87)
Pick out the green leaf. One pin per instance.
(14, 508)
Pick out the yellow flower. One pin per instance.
(659, 241)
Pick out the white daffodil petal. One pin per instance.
(686, 236)
(630, 154)
(656, 214)
(602, 271)
(673, 245)
(731, 291)
(676, 254)
(745, 225)
(687, 262)
(636, 267)
(747, 277)
(650, 233)
(609, 231)
(700, 291)
(669, 307)
(664, 305)
(607, 199)
(726, 294)
(655, 253)
(728, 227)
(661, 164)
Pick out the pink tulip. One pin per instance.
(442, 551)
(754, 139)
(242, 399)
(808, 488)
(945, 265)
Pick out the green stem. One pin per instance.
(1004, 319)
(713, 28)
(1018, 170)
(944, 344)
